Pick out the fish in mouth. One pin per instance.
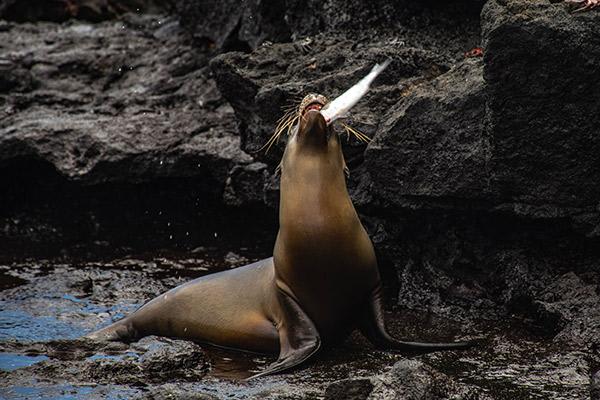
(331, 110)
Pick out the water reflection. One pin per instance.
(12, 361)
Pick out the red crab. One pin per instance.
(474, 52)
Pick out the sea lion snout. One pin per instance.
(313, 123)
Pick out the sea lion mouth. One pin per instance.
(312, 102)
(315, 105)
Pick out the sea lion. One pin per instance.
(321, 283)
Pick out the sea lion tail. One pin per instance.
(120, 331)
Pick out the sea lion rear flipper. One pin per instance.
(372, 326)
(120, 331)
(298, 337)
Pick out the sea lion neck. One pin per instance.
(312, 170)
(313, 192)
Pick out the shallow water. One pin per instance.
(68, 392)
(12, 361)
(59, 301)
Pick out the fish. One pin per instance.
(341, 105)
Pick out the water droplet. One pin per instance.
(170, 237)
(161, 162)
(216, 234)
(187, 234)
(168, 224)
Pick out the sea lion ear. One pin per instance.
(298, 337)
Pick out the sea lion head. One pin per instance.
(312, 128)
(312, 144)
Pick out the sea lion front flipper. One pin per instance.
(298, 337)
(372, 326)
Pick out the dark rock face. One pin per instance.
(595, 386)
(540, 64)
(518, 140)
(62, 10)
(234, 25)
(433, 143)
(247, 185)
(229, 23)
(97, 112)
(145, 102)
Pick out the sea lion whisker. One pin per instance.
(364, 137)
(287, 123)
(274, 139)
(291, 115)
(282, 124)
(290, 125)
(290, 107)
(270, 142)
(266, 145)
(347, 133)
(292, 103)
(287, 114)
(358, 134)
